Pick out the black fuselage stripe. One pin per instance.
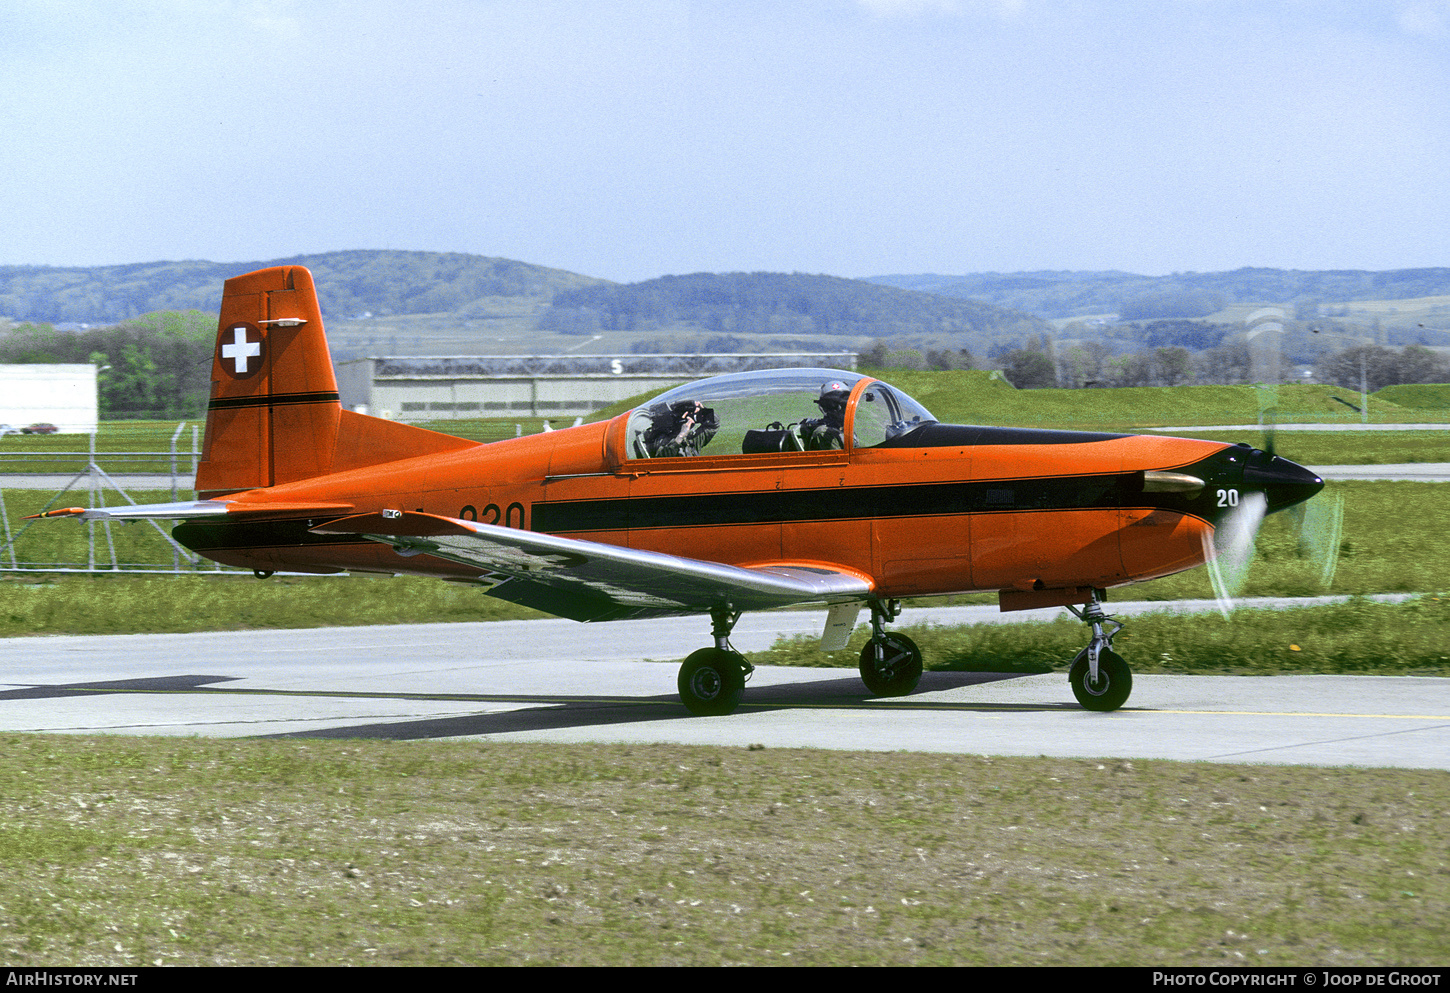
(1102, 491)
(838, 504)
(273, 400)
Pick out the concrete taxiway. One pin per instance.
(564, 682)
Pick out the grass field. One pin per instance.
(133, 851)
(1354, 638)
(975, 398)
(1343, 447)
(121, 446)
(1424, 396)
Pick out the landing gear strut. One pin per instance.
(1100, 679)
(712, 680)
(890, 662)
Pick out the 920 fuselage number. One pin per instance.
(514, 517)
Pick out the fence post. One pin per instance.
(9, 541)
(93, 484)
(179, 428)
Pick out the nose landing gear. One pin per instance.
(1100, 679)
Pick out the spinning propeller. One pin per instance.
(1230, 549)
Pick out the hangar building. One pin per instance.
(418, 388)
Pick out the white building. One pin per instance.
(63, 395)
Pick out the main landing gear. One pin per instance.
(1100, 679)
(890, 662)
(712, 680)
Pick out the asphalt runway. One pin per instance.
(558, 681)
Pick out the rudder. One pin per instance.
(274, 415)
(274, 410)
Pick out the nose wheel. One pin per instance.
(1109, 689)
(1100, 679)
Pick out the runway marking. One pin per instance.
(1304, 713)
(393, 646)
(1317, 743)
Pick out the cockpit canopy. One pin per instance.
(776, 410)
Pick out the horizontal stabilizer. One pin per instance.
(592, 581)
(187, 510)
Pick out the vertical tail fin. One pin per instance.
(274, 415)
(274, 410)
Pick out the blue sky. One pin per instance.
(636, 139)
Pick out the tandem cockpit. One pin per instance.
(776, 410)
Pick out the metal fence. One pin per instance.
(29, 546)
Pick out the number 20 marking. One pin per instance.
(1228, 498)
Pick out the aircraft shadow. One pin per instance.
(150, 684)
(543, 712)
(559, 712)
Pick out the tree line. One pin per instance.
(153, 367)
(1040, 364)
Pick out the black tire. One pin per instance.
(899, 670)
(712, 682)
(1115, 681)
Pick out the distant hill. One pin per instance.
(761, 303)
(1055, 294)
(348, 284)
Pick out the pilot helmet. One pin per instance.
(833, 395)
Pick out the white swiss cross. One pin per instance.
(240, 350)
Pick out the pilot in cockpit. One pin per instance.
(829, 430)
(680, 428)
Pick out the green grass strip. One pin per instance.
(136, 852)
(1359, 637)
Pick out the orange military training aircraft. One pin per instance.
(742, 492)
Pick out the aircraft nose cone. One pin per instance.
(1284, 483)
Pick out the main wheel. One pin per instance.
(1115, 681)
(712, 682)
(897, 672)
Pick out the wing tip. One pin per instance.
(58, 512)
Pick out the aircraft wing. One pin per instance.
(588, 581)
